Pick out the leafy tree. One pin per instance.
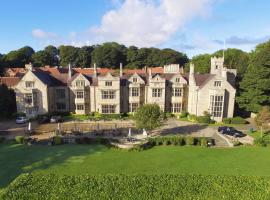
(109, 54)
(255, 86)
(148, 116)
(68, 55)
(263, 118)
(235, 59)
(170, 56)
(18, 58)
(7, 102)
(202, 63)
(84, 56)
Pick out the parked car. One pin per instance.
(56, 119)
(21, 120)
(230, 131)
(43, 120)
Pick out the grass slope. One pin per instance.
(87, 159)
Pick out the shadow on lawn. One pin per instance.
(16, 159)
(183, 130)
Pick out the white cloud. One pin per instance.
(147, 22)
(41, 34)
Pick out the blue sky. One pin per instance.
(193, 26)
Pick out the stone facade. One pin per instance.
(83, 91)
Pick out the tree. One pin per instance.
(202, 63)
(235, 59)
(7, 102)
(255, 86)
(18, 58)
(148, 116)
(84, 56)
(68, 55)
(109, 54)
(263, 118)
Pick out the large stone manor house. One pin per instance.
(82, 91)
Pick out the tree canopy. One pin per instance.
(148, 116)
(7, 102)
(255, 86)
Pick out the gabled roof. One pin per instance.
(47, 79)
(9, 81)
(201, 79)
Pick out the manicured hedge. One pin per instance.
(51, 186)
(179, 140)
(235, 120)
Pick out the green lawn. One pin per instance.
(86, 159)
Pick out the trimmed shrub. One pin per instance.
(238, 120)
(189, 141)
(192, 118)
(183, 114)
(203, 119)
(20, 139)
(261, 142)
(57, 140)
(226, 120)
(203, 142)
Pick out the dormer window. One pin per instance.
(29, 84)
(217, 83)
(108, 83)
(135, 80)
(177, 80)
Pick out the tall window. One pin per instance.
(79, 95)
(60, 106)
(156, 92)
(133, 107)
(217, 83)
(135, 80)
(176, 108)
(28, 98)
(80, 83)
(108, 94)
(108, 83)
(108, 109)
(177, 92)
(134, 92)
(29, 84)
(60, 93)
(216, 105)
(79, 107)
(177, 80)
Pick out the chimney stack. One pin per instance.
(150, 72)
(69, 71)
(95, 70)
(191, 68)
(29, 67)
(121, 69)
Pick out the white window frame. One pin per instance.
(108, 94)
(177, 92)
(108, 83)
(80, 83)
(108, 109)
(217, 83)
(28, 98)
(134, 92)
(29, 84)
(80, 94)
(216, 105)
(79, 106)
(133, 107)
(156, 92)
(176, 107)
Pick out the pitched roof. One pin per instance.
(200, 79)
(9, 81)
(47, 79)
